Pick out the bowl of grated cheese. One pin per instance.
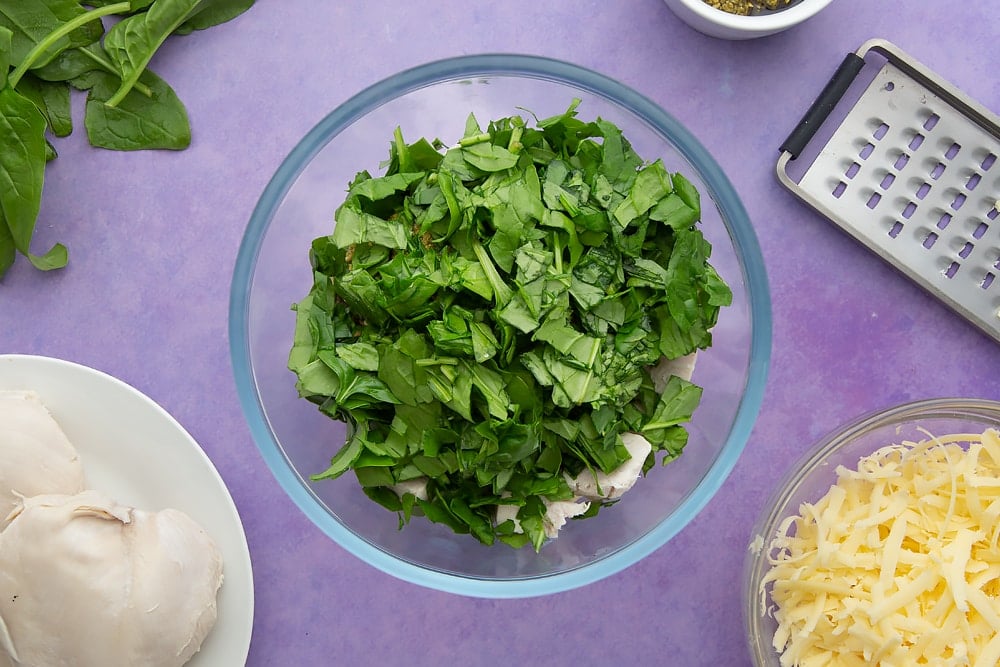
(882, 544)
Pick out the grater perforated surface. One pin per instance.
(918, 182)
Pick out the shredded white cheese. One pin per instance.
(898, 564)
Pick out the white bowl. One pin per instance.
(716, 23)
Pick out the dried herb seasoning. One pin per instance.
(748, 7)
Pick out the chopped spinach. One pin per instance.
(486, 319)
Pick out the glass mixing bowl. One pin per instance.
(272, 272)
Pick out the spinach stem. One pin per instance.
(60, 32)
(501, 292)
(515, 145)
(475, 139)
(108, 66)
(436, 361)
(132, 70)
(402, 152)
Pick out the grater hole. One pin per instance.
(853, 170)
(887, 181)
(973, 181)
(987, 281)
(923, 190)
(889, 86)
(896, 229)
(980, 230)
(964, 252)
(866, 150)
(952, 270)
(901, 161)
(880, 131)
(959, 200)
(937, 171)
(839, 190)
(909, 210)
(930, 240)
(874, 200)
(992, 213)
(952, 151)
(944, 221)
(916, 141)
(988, 161)
(931, 121)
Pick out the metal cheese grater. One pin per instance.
(912, 171)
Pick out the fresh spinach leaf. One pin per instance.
(52, 99)
(22, 175)
(342, 461)
(68, 65)
(5, 55)
(136, 5)
(31, 21)
(212, 13)
(7, 250)
(131, 42)
(158, 121)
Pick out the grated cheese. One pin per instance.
(897, 564)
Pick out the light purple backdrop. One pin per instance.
(153, 238)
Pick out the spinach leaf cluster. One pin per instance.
(48, 47)
(485, 318)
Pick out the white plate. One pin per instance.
(134, 451)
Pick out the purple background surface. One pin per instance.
(153, 237)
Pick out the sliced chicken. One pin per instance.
(35, 455)
(87, 582)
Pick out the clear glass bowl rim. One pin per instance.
(535, 67)
(983, 409)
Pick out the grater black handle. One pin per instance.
(823, 105)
